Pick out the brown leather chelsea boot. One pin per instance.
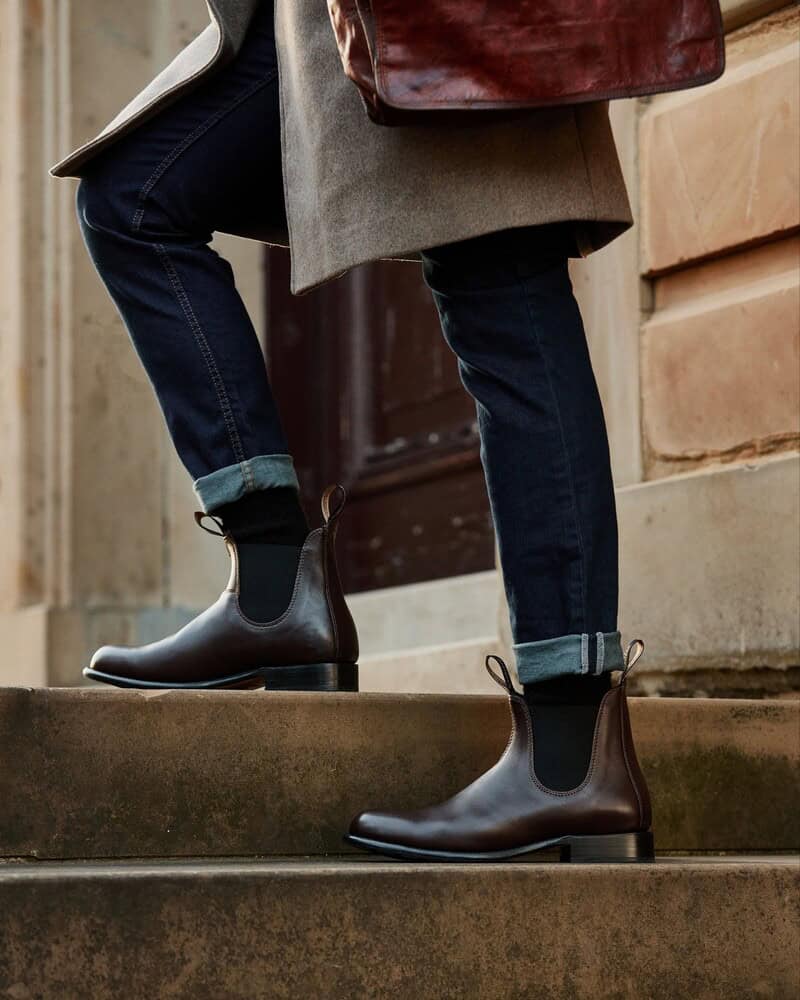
(508, 812)
(311, 646)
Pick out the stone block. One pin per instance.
(452, 668)
(720, 374)
(24, 633)
(726, 274)
(710, 566)
(720, 164)
(735, 13)
(432, 613)
(23, 309)
(113, 507)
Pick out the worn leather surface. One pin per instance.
(508, 807)
(315, 628)
(413, 56)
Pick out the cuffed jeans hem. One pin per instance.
(587, 653)
(234, 481)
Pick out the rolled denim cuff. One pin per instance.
(586, 653)
(232, 482)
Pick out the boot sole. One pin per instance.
(606, 848)
(302, 677)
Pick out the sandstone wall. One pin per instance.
(695, 330)
(98, 540)
(692, 317)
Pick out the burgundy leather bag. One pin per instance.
(412, 60)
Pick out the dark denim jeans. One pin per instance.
(507, 310)
(148, 207)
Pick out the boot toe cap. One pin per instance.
(362, 825)
(104, 656)
(383, 828)
(111, 660)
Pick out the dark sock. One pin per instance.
(269, 528)
(564, 712)
(272, 515)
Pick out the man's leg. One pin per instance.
(508, 312)
(148, 208)
(568, 777)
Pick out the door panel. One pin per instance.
(370, 397)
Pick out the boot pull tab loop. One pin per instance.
(200, 516)
(333, 500)
(632, 654)
(505, 681)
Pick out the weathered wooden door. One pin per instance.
(370, 397)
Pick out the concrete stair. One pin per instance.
(315, 929)
(430, 669)
(188, 845)
(98, 773)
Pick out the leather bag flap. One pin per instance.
(472, 54)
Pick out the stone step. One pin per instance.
(431, 613)
(439, 669)
(700, 928)
(96, 773)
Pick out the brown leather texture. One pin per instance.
(409, 58)
(315, 628)
(508, 807)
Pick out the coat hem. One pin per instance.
(592, 234)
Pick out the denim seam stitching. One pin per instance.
(564, 446)
(185, 143)
(205, 351)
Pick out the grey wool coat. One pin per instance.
(356, 191)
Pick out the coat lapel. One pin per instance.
(216, 45)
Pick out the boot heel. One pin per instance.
(612, 847)
(311, 677)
